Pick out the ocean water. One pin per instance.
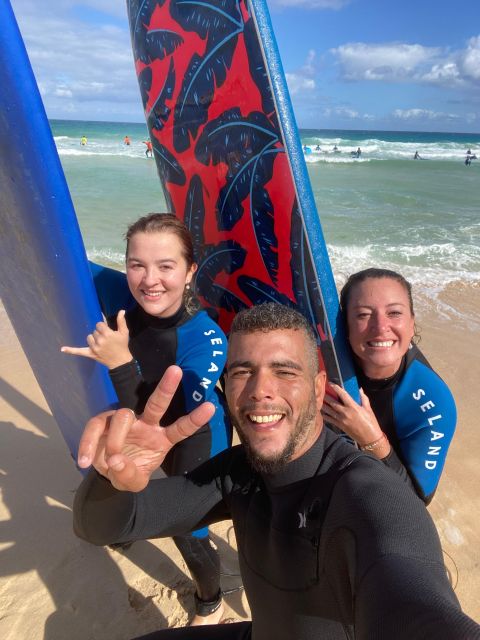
(419, 217)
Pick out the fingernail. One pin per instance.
(83, 461)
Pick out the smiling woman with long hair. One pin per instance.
(407, 414)
(166, 327)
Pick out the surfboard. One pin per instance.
(45, 282)
(231, 163)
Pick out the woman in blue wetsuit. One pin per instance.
(407, 415)
(166, 327)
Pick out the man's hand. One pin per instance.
(105, 345)
(126, 449)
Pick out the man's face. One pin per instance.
(274, 395)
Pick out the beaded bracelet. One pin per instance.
(373, 445)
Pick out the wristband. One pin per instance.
(373, 445)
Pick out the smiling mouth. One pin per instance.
(381, 343)
(152, 294)
(270, 419)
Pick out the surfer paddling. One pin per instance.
(165, 327)
(407, 415)
(331, 544)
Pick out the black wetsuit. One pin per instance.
(199, 347)
(416, 410)
(334, 546)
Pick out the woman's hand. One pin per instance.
(357, 421)
(105, 345)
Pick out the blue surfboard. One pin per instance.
(45, 280)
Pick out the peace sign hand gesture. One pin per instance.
(127, 449)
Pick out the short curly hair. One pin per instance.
(273, 316)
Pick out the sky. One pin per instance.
(397, 65)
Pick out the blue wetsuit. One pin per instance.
(197, 345)
(417, 412)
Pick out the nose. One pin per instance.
(261, 386)
(378, 322)
(150, 276)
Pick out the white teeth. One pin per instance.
(153, 294)
(265, 419)
(385, 343)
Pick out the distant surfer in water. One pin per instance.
(331, 544)
(83, 141)
(126, 141)
(470, 156)
(357, 153)
(166, 327)
(417, 156)
(407, 415)
(149, 149)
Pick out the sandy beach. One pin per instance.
(54, 586)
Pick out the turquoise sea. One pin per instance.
(420, 217)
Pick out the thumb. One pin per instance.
(85, 352)
(122, 323)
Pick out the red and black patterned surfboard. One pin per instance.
(230, 161)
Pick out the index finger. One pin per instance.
(160, 399)
(187, 425)
(343, 395)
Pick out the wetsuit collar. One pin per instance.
(146, 319)
(302, 468)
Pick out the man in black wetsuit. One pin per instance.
(332, 544)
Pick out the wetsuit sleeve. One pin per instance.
(399, 589)
(393, 462)
(425, 416)
(423, 607)
(166, 507)
(126, 380)
(201, 354)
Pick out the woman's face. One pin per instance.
(380, 325)
(157, 272)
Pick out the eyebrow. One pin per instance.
(369, 306)
(162, 260)
(276, 364)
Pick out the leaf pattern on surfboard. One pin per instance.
(159, 113)
(169, 167)
(248, 146)
(228, 256)
(194, 215)
(305, 285)
(219, 23)
(257, 68)
(258, 292)
(140, 14)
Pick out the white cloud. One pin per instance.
(423, 115)
(400, 62)
(346, 113)
(311, 4)
(387, 62)
(302, 80)
(83, 68)
(470, 59)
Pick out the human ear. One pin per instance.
(320, 382)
